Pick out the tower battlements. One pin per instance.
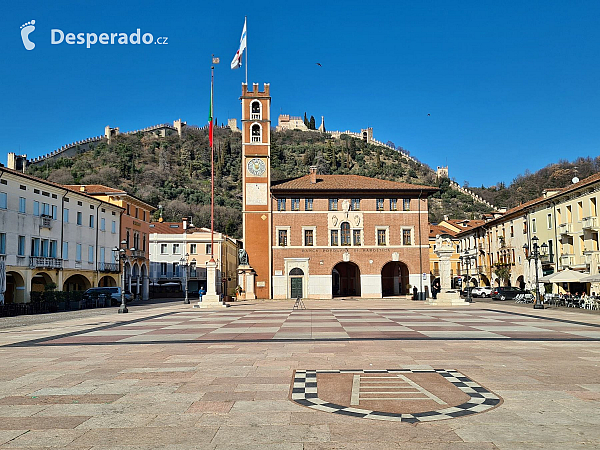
(255, 92)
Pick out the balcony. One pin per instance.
(108, 267)
(590, 223)
(591, 256)
(565, 228)
(42, 262)
(138, 254)
(547, 259)
(482, 269)
(566, 260)
(46, 221)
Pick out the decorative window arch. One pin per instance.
(296, 271)
(255, 132)
(256, 110)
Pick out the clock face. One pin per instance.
(257, 167)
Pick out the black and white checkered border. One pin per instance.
(304, 393)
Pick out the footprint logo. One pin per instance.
(26, 30)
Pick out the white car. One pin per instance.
(481, 291)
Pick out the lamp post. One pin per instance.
(184, 264)
(121, 256)
(466, 260)
(535, 254)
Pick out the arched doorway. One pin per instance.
(76, 283)
(484, 280)
(15, 288)
(39, 281)
(107, 281)
(345, 279)
(394, 279)
(474, 282)
(296, 282)
(521, 282)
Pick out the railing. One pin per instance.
(566, 260)
(45, 262)
(108, 267)
(565, 228)
(589, 222)
(46, 221)
(589, 256)
(138, 253)
(255, 116)
(546, 259)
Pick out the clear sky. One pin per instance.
(489, 88)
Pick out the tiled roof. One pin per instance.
(464, 224)
(347, 183)
(434, 230)
(167, 227)
(94, 189)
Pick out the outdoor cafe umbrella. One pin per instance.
(591, 279)
(566, 276)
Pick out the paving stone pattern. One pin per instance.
(176, 378)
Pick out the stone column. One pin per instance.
(447, 296)
(211, 299)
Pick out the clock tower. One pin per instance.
(256, 185)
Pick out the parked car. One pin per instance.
(506, 293)
(482, 291)
(114, 292)
(464, 292)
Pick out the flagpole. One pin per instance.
(212, 167)
(246, 23)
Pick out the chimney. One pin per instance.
(81, 188)
(313, 174)
(445, 216)
(184, 220)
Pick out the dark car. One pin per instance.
(506, 293)
(113, 292)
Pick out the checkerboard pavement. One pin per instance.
(332, 324)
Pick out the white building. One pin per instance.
(50, 235)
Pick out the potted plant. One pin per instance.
(238, 291)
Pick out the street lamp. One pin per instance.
(184, 264)
(466, 260)
(535, 254)
(121, 256)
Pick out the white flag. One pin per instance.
(237, 59)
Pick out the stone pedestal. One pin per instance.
(447, 296)
(246, 275)
(211, 299)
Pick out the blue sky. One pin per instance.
(508, 86)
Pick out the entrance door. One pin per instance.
(296, 287)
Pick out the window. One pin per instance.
(393, 204)
(45, 209)
(282, 238)
(379, 204)
(143, 242)
(256, 133)
(524, 227)
(91, 221)
(308, 237)
(163, 269)
(281, 204)
(137, 211)
(54, 212)
(512, 231)
(533, 227)
(23, 187)
(91, 253)
(345, 231)
(66, 215)
(406, 237)
(163, 249)
(79, 218)
(406, 204)
(356, 204)
(3, 200)
(35, 247)
(78, 253)
(22, 203)
(2, 243)
(21, 246)
(102, 224)
(176, 249)
(113, 227)
(127, 208)
(193, 249)
(333, 204)
(208, 249)
(381, 237)
(549, 219)
(65, 250)
(79, 204)
(136, 240)
(175, 269)
(255, 110)
(36, 208)
(334, 237)
(45, 252)
(144, 215)
(295, 204)
(356, 237)
(53, 246)
(308, 204)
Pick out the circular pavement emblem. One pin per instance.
(401, 395)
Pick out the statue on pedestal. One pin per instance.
(242, 257)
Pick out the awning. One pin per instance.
(566, 276)
(591, 279)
